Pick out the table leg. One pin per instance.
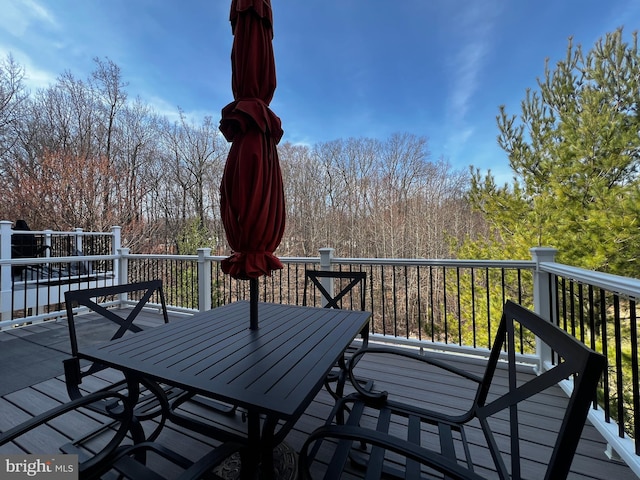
(268, 445)
(133, 394)
(251, 461)
(133, 385)
(261, 447)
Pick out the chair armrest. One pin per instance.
(97, 462)
(73, 379)
(401, 447)
(424, 358)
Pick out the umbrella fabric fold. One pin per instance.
(251, 192)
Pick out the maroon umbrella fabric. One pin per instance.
(251, 193)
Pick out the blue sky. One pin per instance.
(346, 68)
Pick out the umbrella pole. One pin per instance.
(253, 303)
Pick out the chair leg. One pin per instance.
(340, 379)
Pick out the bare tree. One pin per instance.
(64, 191)
(196, 156)
(403, 171)
(80, 153)
(135, 153)
(110, 97)
(305, 201)
(12, 99)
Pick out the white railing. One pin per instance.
(620, 445)
(32, 287)
(204, 270)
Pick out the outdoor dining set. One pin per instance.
(251, 386)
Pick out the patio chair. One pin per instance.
(155, 400)
(110, 455)
(354, 279)
(41, 434)
(407, 440)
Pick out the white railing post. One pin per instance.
(78, 231)
(48, 242)
(115, 240)
(204, 279)
(5, 270)
(326, 254)
(542, 296)
(115, 250)
(76, 267)
(122, 274)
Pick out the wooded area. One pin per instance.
(81, 153)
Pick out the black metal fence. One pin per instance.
(457, 303)
(454, 304)
(606, 321)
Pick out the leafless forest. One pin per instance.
(81, 153)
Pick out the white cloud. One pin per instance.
(18, 17)
(161, 107)
(40, 12)
(473, 46)
(477, 23)
(170, 111)
(21, 24)
(35, 77)
(469, 64)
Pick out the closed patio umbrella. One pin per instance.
(251, 192)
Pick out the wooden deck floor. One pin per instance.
(32, 382)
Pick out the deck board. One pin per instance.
(19, 402)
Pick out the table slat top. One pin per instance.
(276, 369)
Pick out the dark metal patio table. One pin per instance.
(273, 372)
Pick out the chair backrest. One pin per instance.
(335, 300)
(117, 325)
(572, 359)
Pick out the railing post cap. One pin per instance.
(326, 254)
(543, 254)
